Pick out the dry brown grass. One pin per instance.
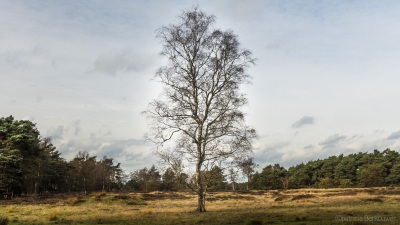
(303, 206)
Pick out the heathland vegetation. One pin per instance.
(296, 206)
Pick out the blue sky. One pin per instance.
(326, 81)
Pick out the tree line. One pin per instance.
(355, 170)
(375, 169)
(30, 164)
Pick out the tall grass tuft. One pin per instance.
(75, 201)
(3, 220)
(100, 195)
(10, 208)
(53, 215)
(255, 222)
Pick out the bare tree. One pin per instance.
(232, 173)
(247, 166)
(199, 110)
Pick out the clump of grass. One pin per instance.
(376, 199)
(100, 195)
(10, 208)
(103, 220)
(278, 199)
(3, 220)
(298, 219)
(255, 222)
(298, 197)
(75, 201)
(53, 215)
(121, 197)
(136, 202)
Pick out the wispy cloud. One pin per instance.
(122, 60)
(56, 133)
(394, 135)
(305, 120)
(332, 140)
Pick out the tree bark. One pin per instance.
(201, 207)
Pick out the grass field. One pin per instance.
(303, 206)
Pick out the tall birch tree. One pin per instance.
(199, 110)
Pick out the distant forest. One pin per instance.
(30, 164)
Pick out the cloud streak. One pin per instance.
(394, 135)
(122, 61)
(305, 120)
(332, 140)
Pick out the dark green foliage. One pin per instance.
(360, 170)
(88, 174)
(145, 179)
(214, 179)
(347, 169)
(373, 176)
(300, 176)
(28, 163)
(271, 177)
(172, 181)
(355, 170)
(168, 179)
(31, 164)
(394, 174)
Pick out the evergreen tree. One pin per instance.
(373, 176)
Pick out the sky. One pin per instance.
(326, 79)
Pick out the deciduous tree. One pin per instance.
(248, 166)
(200, 109)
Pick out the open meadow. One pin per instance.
(302, 206)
